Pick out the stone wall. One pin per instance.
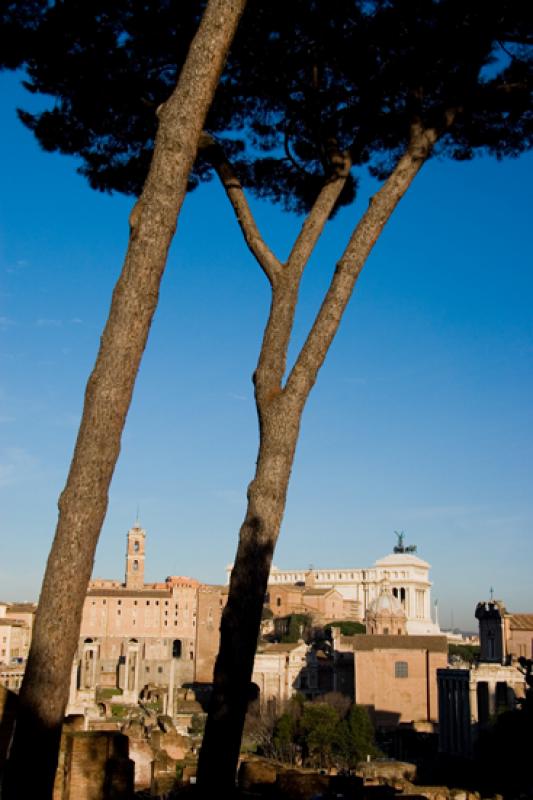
(94, 765)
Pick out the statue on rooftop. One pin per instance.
(400, 547)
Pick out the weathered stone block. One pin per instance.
(256, 773)
(174, 745)
(163, 774)
(142, 756)
(96, 766)
(294, 785)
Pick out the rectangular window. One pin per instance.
(401, 669)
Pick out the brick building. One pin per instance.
(321, 604)
(138, 636)
(395, 676)
(16, 625)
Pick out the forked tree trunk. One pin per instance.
(83, 503)
(280, 410)
(242, 614)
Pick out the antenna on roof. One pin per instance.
(137, 522)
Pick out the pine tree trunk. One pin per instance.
(242, 615)
(83, 503)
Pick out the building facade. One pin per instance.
(395, 675)
(470, 698)
(407, 573)
(16, 626)
(321, 604)
(139, 637)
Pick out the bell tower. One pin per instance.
(135, 557)
(492, 632)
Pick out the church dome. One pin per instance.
(386, 604)
(385, 614)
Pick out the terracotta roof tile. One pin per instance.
(146, 593)
(365, 641)
(521, 622)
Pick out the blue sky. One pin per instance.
(421, 419)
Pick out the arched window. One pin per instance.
(135, 546)
(135, 565)
(176, 648)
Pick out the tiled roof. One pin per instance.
(365, 641)
(521, 622)
(146, 593)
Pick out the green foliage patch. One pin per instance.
(298, 627)
(323, 735)
(466, 652)
(347, 627)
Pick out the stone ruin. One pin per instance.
(110, 763)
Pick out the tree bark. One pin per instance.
(83, 503)
(280, 411)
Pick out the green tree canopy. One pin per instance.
(305, 79)
(347, 628)
(325, 734)
(297, 626)
(463, 652)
